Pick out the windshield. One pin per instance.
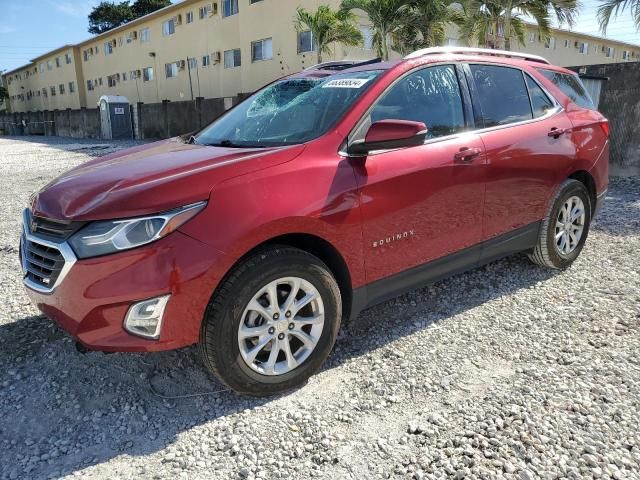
(288, 112)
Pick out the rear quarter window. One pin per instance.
(571, 86)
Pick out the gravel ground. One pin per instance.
(508, 371)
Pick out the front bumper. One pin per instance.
(91, 301)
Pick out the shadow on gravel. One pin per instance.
(62, 410)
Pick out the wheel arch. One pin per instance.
(318, 247)
(588, 181)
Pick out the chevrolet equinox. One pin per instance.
(324, 193)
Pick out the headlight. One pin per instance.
(101, 238)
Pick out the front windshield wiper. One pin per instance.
(231, 144)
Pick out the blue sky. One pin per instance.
(32, 27)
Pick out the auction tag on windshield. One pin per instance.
(346, 83)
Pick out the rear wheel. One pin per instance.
(564, 230)
(272, 323)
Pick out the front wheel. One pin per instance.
(272, 323)
(564, 230)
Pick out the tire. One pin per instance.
(550, 252)
(234, 305)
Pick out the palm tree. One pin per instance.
(496, 23)
(609, 8)
(328, 26)
(386, 16)
(424, 24)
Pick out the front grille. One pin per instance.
(56, 230)
(42, 263)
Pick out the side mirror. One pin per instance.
(390, 134)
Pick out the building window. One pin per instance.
(42, 68)
(567, 43)
(206, 60)
(367, 35)
(89, 85)
(44, 92)
(550, 43)
(610, 52)
(171, 69)
(111, 81)
(72, 87)
(169, 27)
(57, 62)
(254, 1)
(67, 58)
(232, 58)
(532, 37)
(100, 81)
(53, 91)
(261, 50)
(49, 65)
(124, 76)
(625, 55)
(203, 12)
(147, 74)
(108, 48)
(61, 88)
(229, 7)
(584, 48)
(193, 63)
(189, 16)
(145, 35)
(305, 41)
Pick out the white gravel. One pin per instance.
(508, 371)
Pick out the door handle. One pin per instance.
(556, 132)
(466, 154)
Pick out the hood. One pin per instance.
(149, 179)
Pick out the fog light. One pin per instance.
(145, 318)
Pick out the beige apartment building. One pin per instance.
(208, 49)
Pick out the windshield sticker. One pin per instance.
(346, 83)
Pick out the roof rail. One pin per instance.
(343, 64)
(476, 51)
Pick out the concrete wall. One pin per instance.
(620, 103)
(154, 120)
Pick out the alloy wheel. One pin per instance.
(570, 225)
(281, 326)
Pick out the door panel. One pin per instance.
(419, 204)
(524, 167)
(528, 145)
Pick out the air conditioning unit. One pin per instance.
(216, 57)
(182, 64)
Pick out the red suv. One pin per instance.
(322, 194)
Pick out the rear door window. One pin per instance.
(502, 94)
(540, 102)
(571, 86)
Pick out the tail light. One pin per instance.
(605, 127)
